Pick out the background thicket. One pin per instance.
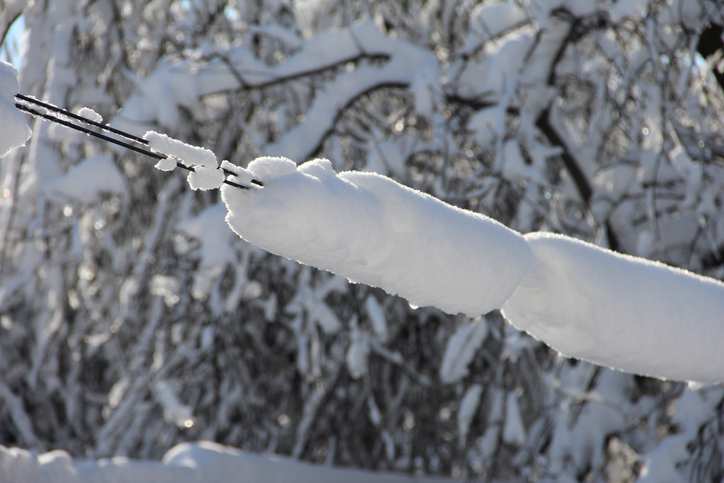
(132, 319)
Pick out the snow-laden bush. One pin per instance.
(133, 319)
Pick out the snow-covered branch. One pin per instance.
(133, 319)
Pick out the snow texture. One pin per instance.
(466, 412)
(377, 317)
(15, 130)
(87, 179)
(513, 431)
(206, 174)
(185, 463)
(690, 412)
(206, 178)
(590, 303)
(621, 311)
(373, 230)
(64, 134)
(192, 155)
(173, 410)
(89, 113)
(490, 20)
(484, 124)
(460, 350)
(209, 229)
(166, 164)
(214, 248)
(358, 354)
(407, 65)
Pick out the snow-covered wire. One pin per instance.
(22, 106)
(78, 117)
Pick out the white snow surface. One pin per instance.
(206, 174)
(174, 410)
(490, 20)
(87, 179)
(376, 313)
(205, 178)
(358, 353)
(461, 349)
(214, 246)
(513, 429)
(89, 113)
(192, 155)
(466, 412)
(621, 311)
(373, 230)
(14, 130)
(166, 164)
(201, 462)
(176, 84)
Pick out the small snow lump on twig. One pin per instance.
(206, 174)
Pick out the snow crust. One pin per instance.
(13, 123)
(621, 311)
(373, 230)
(89, 113)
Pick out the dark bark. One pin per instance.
(579, 27)
(710, 42)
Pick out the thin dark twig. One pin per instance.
(90, 132)
(102, 126)
(66, 112)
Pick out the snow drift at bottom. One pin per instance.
(373, 230)
(621, 311)
(199, 462)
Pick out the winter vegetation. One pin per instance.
(132, 319)
(370, 229)
(15, 130)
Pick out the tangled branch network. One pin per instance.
(587, 302)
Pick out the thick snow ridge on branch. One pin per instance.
(193, 155)
(621, 311)
(371, 229)
(587, 302)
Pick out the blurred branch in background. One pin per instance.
(132, 319)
